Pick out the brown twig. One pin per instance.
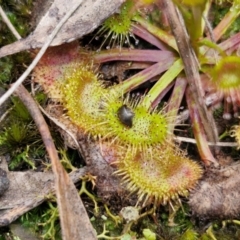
(71, 209)
(191, 66)
(200, 136)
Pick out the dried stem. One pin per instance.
(191, 67)
(198, 130)
(175, 101)
(72, 211)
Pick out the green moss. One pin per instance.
(43, 220)
(19, 13)
(22, 8)
(6, 67)
(218, 11)
(189, 234)
(20, 137)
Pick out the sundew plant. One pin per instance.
(125, 86)
(139, 130)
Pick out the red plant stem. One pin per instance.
(157, 32)
(144, 34)
(175, 101)
(133, 55)
(226, 22)
(143, 76)
(235, 48)
(139, 65)
(230, 42)
(226, 47)
(198, 130)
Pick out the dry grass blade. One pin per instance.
(191, 66)
(9, 24)
(71, 209)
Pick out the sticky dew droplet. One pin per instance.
(136, 42)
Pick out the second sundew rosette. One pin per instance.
(223, 83)
(158, 175)
(225, 79)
